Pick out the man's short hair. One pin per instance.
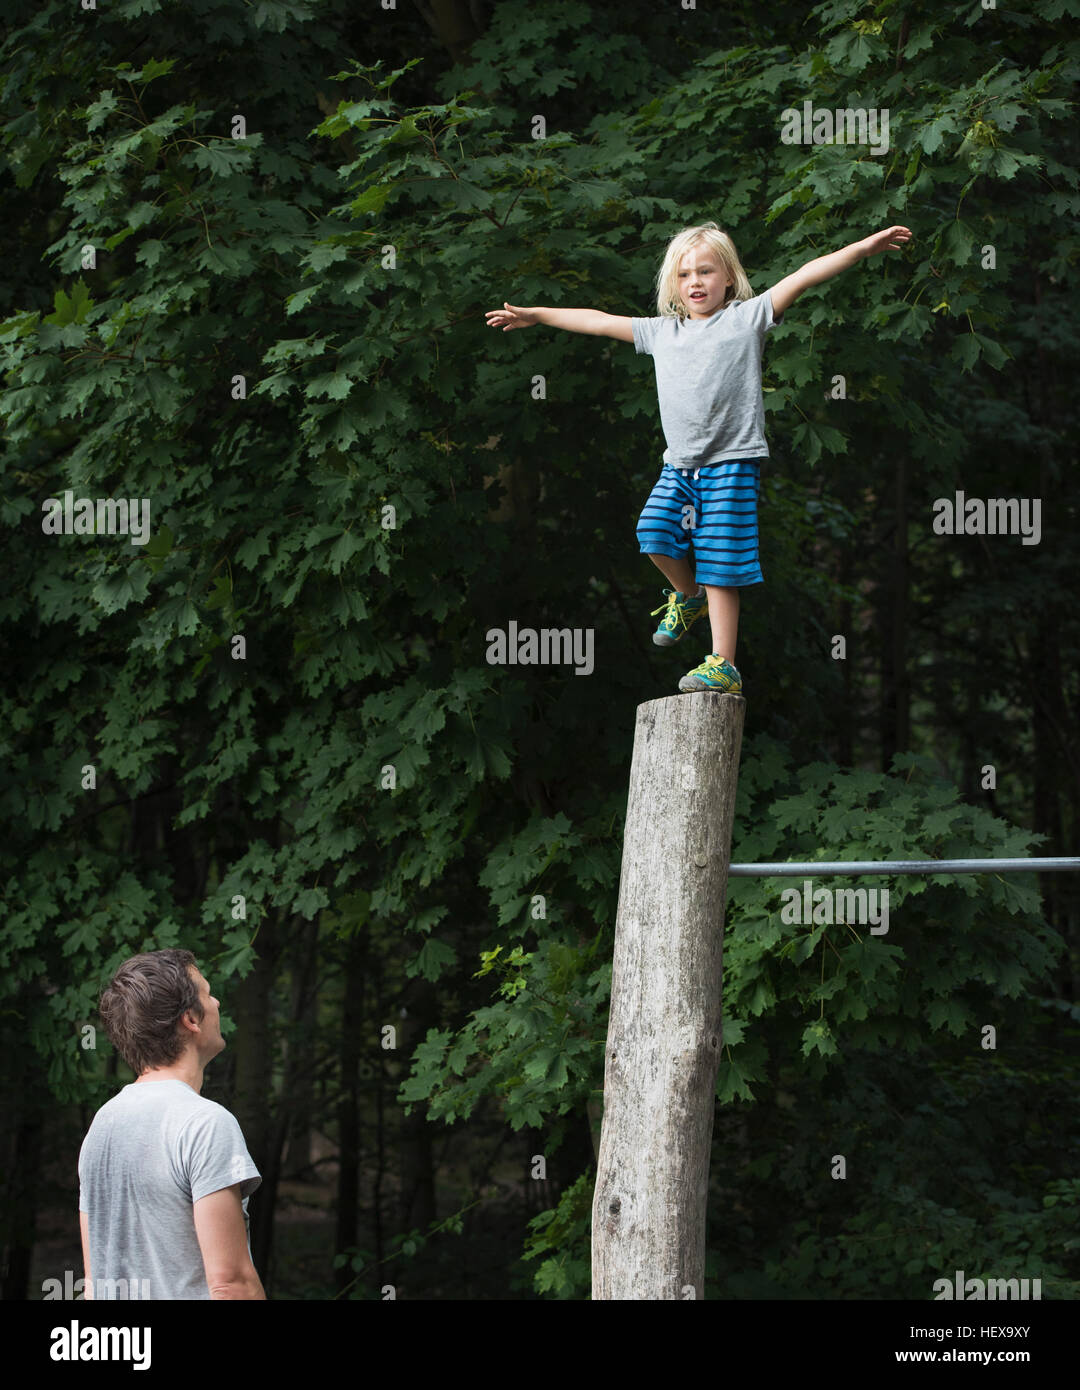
(143, 1004)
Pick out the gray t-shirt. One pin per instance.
(708, 379)
(150, 1154)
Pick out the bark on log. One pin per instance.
(664, 1032)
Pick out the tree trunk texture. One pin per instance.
(354, 1043)
(23, 1151)
(901, 598)
(277, 1131)
(664, 1033)
(892, 599)
(455, 23)
(301, 1057)
(845, 723)
(253, 1080)
(1057, 736)
(417, 1201)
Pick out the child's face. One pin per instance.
(703, 282)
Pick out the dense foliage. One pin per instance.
(271, 734)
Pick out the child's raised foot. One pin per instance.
(681, 612)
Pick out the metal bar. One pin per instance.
(848, 867)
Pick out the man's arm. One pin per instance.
(88, 1283)
(593, 321)
(785, 292)
(219, 1225)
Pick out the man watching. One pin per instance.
(164, 1174)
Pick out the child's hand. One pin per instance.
(889, 240)
(510, 316)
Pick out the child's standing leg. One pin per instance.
(725, 560)
(718, 671)
(724, 620)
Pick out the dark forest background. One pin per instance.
(397, 864)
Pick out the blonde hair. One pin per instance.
(668, 303)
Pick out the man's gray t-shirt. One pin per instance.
(150, 1154)
(708, 379)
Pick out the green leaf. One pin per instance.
(433, 959)
(73, 310)
(334, 385)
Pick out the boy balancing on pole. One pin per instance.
(706, 346)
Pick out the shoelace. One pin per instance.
(675, 614)
(716, 664)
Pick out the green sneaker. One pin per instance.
(680, 613)
(714, 673)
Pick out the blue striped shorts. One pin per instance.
(714, 509)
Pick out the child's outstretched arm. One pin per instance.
(574, 320)
(786, 291)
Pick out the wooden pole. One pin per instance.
(664, 1038)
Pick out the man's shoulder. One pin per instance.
(198, 1108)
(173, 1098)
(212, 1113)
